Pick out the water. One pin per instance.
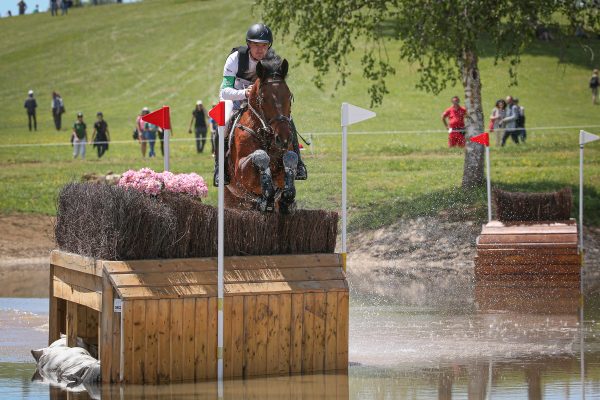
(509, 348)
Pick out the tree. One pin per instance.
(443, 37)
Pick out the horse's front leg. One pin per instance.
(287, 203)
(260, 159)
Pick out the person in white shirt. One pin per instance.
(239, 73)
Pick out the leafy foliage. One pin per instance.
(434, 34)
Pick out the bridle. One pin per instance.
(266, 131)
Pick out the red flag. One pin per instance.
(218, 113)
(483, 139)
(160, 118)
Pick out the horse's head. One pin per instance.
(274, 99)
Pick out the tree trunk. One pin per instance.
(474, 152)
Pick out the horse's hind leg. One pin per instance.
(287, 204)
(261, 161)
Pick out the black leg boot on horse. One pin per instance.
(301, 173)
(287, 203)
(261, 161)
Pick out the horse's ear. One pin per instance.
(284, 68)
(260, 70)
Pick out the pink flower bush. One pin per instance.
(153, 183)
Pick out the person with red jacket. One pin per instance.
(456, 124)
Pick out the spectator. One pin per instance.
(510, 121)
(456, 126)
(36, 9)
(498, 114)
(54, 7)
(31, 105)
(594, 83)
(9, 13)
(521, 121)
(101, 136)
(213, 133)
(64, 7)
(22, 7)
(199, 115)
(150, 131)
(79, 137)
(139, 127)
(58, 109)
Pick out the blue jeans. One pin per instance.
(150, 137)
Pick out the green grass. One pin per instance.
(119, 58)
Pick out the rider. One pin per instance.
(239, 74)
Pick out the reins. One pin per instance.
(265, 131)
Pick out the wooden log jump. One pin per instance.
(283, 315)
(528, 254)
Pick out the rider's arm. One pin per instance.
(228, 90)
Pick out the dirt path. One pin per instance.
(25, 242)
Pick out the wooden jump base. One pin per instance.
(528, 254)
(282, 315)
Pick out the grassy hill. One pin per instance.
(119, 58)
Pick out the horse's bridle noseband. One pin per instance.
(266, 129)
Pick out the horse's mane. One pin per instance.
(272, 65)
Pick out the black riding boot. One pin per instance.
(301, 173)
(226, 172)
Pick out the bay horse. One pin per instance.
(261, 163)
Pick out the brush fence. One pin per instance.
(282, 315)
(528, 254)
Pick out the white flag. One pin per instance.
(586, 137)
(352, 114)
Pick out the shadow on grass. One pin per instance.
(456, 204)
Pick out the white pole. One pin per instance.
(167, 134)
(344, 192)
(221, 254)
(489, 185)
(581, 254)
(581, 201)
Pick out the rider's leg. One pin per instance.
(301, 173)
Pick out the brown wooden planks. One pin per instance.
(342, 331)
(482, 268)
(533, 238)
(176, 329)
(189, 317)
(284, 335)
(227, 348)
(201, 339)
(139, 341)
(237, 335)
(115, 368)
(135, 279)
(106, 337)
(72, 309)
(261, 326)
(319, 332)
(273, 326)
(211, 367)
(151, 343)
(127, 310)
(163, 324)
(249, 335)
(296, 332)
(331, 331)
(230, 263)
(76, 262)
(531, 257)
(77, 294)
(308, 333)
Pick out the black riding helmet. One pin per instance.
(259, 33)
